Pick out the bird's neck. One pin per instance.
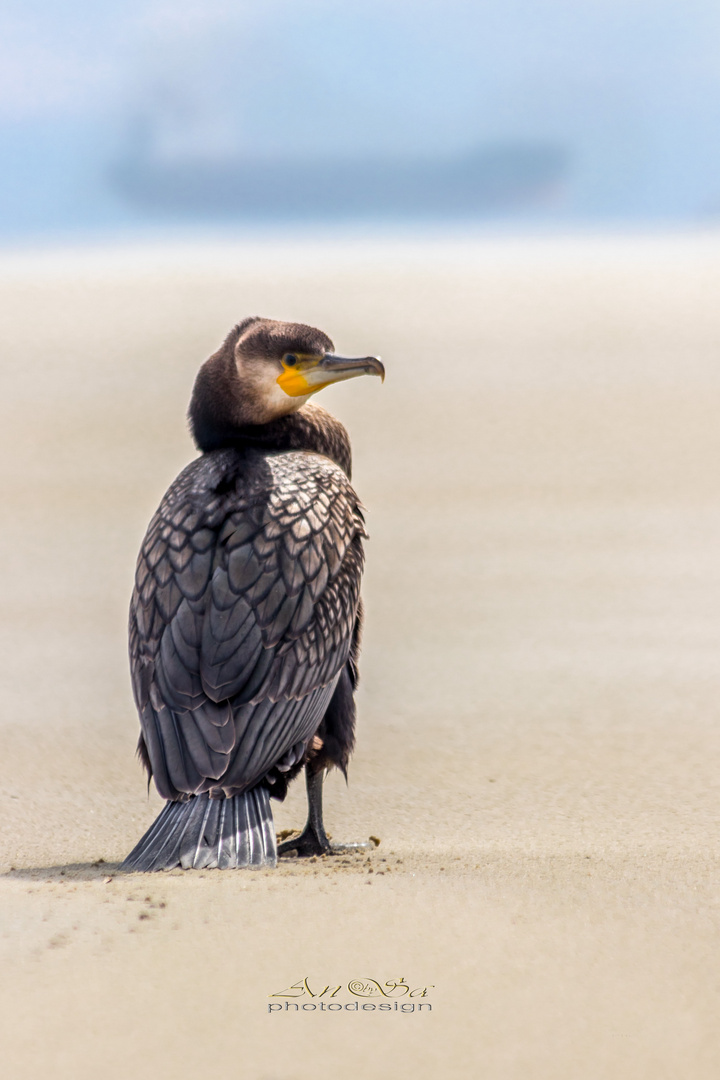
(310, 428)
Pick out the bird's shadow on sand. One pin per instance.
(96, 871)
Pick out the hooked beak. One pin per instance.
(342, 367)
(315, 373)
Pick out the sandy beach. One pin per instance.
(538, 747)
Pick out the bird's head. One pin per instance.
(265, 370)
(280, 365)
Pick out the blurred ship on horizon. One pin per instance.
(487, 179)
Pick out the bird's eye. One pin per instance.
(290, 359)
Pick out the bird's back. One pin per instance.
(242, 616)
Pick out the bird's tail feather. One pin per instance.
(209, 833)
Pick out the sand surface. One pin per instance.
(539, 741)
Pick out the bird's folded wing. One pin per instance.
(246, 595)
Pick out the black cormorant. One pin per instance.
(245, 618)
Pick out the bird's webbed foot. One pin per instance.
(305, 844)
(313, 840)
(308, 843)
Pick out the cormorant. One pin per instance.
(245, 618)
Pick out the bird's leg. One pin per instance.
(313, 839)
